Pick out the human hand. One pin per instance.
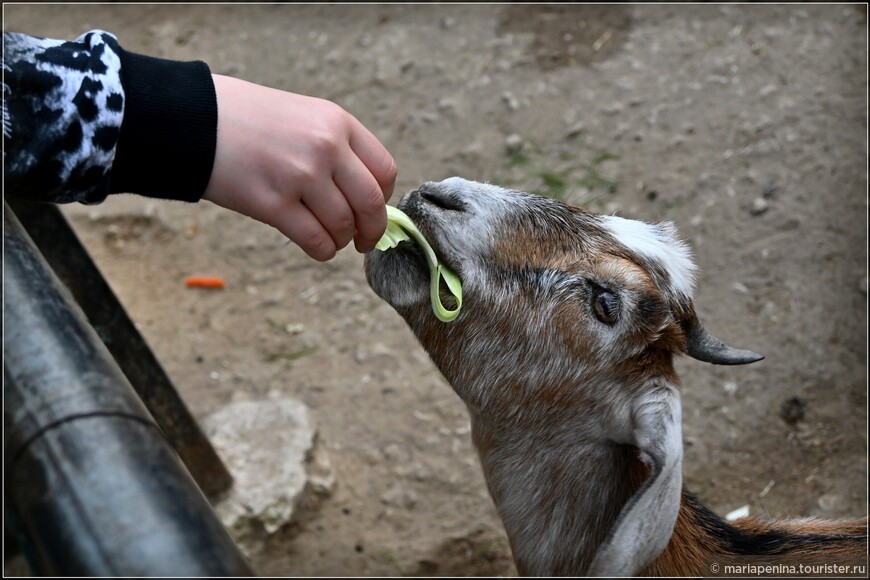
(302, 165)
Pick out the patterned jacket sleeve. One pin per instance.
(83, 119)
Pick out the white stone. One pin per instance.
(740, 512)
(270, 448)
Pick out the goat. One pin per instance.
(563, 355)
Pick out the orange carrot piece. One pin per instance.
(204, 282)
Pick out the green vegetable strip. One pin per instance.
(399, 226)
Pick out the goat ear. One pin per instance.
(705, 347)
(646, 523)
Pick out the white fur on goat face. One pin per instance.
(531, 268)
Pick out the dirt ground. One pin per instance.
(744, 124)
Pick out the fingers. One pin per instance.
(353, 204)
(374, 156)
(331, 207)
(300, 164)
(366, 200)
(367, 183)
(300, 225)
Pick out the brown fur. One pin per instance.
(701, 538)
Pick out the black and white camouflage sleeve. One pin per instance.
(62, 111)
(83, 119)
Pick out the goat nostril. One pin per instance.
(441, 199)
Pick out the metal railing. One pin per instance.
(95, 483)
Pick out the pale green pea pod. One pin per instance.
(399, 226)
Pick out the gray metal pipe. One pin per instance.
(70, 261)
(92, 486)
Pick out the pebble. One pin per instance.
(759, 206)
(399, 497)
(575, 130)
(309, 295)
(740, 512)
(510, 100)
(294, 328)
(414, 471)
(613, 109)
(447, 105)
(514, 143)
(377, 353)
(472, 151)
(828, 502)
(428, 117)
(394, 452)
(421, 416)
(768, 90)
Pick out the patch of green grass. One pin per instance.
(387, 556)
(554, 184)
(517, 160)
(558, 171)
(673, 211)
(592, 180)
(493, 546)
(602, 156)
(291, 356)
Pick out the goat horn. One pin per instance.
(705, 347)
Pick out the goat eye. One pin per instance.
(605, 304)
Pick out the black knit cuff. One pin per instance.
(169, 133)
